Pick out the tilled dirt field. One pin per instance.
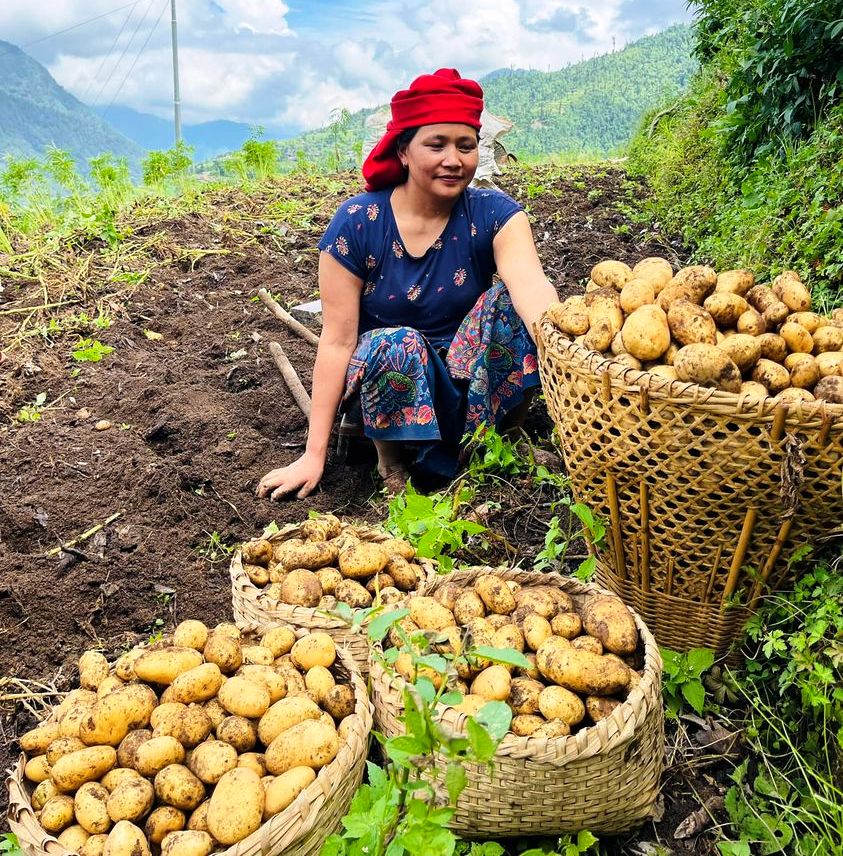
(198, 414)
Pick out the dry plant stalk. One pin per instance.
(290, 378)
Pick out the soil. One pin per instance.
(198, 414)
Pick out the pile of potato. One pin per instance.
(328, 562)
(582, 660)
(718, 330)
(187, 746)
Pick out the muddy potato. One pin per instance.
(829, 363)
(468, 605)
(552, 728)
(112, 682)
(446, 595)
(654, 269)
(690, 324)
(611, 273)
(311, 743)
(809, 320)
(43, 791)
(570, 316)
(293, 677)
(707, 365)
(117, 776)
(177, 786)
(189, 842)
(131, 800)
(90, 807)
(526, 724)
(163, 820)
(604, 305)
(315, 649)
(339, 701)
(754, 389)
(699, 279)
(114, 715)
(201, 683)
(268, 677)
(587, 643)
(279, 640)
(493, 683)
(362, 560)
(788, 288)
(509, 636)
(254, 761)
(154, 754)
(164, 665)
(354, 594)
(536, 629)
(57, 813)
(430, 615)
(495, 594)
(531, 670)
(773, 347)
(470, 704)
(328, 578)
(164, 717)
(828, 338)
(556, 702)
(126, 839)
(524, 695)
(390, 595)
(85, 765)
(645, 333)
(797, 338)
(240, 732)
(36, 740)
(666, 372)
(318, 680)
(62, 746)
(772, 375)
(193, 726)
(405, 574)
(794, 394)
(258, 552)
(544, 600)
(582, 671)
(804, 372)
(257, 655)
(198, 818)
(609, 620)
(243, 697)
(725, 308)
(94, 846)
(37, 769)
(300, 587)
(310, 556)
(283, 789)
(599, 707)
(190, 634)
(637, 293)
(93, 670)
(73, 838)
(284, 714)
(600, 334)
(408, 670)
(743, 350)
(734, 282)
(399, 547)
(829, 389)
(671, 293)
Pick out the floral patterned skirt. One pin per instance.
(411, 391)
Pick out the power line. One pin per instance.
(105, 59)
(122, 55)
(137, 55)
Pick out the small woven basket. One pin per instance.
(250, 606)
(696, 485)
(604, 778)
(299, 830)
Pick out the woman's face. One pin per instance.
(442, 159)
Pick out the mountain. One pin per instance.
(589, 108)
(208, 139)
(36, 112)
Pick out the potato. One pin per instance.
(797, 338)
(754, 389)
(191, 727)
(319, 681)
(773, 347)
(198, 818)
(57, 813)
(468, 605)
(112, 682)
(725, 308)
(328, 578)
(37, 769)
(690, 324)
(407, 668)
(536, 630)
(131, 800)
(570, 316)
(258, 552)
(829, 389)
(268, 677)
(734, 282)
(85, 765)
(804, 372)
(773, 376)
(447, 594)
(361, 560)
(257, 655)
(637, 293)
(315, 649)
(114, 715)
(654, 269)
(707, 365)
(301, 587)
(254, 761)
(609, 620)
(470, 704)
(552, 728)
(91, 809)
(93, 670)
(509, 636)
(587, 643)
(531, 670)
(43, 791)
(671, 293)
(94, 846)
(809, 320)
(283, 789)
(645, 333)
(495, 594)
(155, 754)
(524, 695)
(699, 279)
(403, 573)
(525, 724)
(215, 712)
(828, 338)
(164, 718)
(190, 634)
(163, 820)
(240, 732)
(339, 701)
(201, 683)
(829, 362)
(177, 786)
(788, 288)
(62, 746)
(493, 683)
(73, 838)
(164, 665)
(743, 350)
(243, 697)
(794, 394)
(599, 707)
(568, 625)
(430, 615)
(581, 671)
(126, 839)
(309, 556)
(611, 273)
(354, 594)
(293, 677)
(36, 740)
(323, 528)
(752, 323)
(311, 743)
(605, 303)
(117, 776)
(559, 703)
(187, 843)
(279, 640)
(285, 714)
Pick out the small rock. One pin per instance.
(102, 425)
(83, 413)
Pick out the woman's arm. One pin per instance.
(339, 290)
(521, 271)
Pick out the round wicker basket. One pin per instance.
(703, 491)
(605, 778)
(299, 830)
(250, 606)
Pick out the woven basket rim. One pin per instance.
(800, 413)
(31, 833)
(602, 736)
(312, 616)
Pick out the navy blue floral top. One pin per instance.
(431, 293)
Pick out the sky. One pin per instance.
(288, 64)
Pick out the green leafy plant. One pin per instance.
(558, 539)
(9, 845)
(32, 412)
(214, 549)
(682, 679)
(90, 351)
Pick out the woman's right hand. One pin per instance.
(302, 475)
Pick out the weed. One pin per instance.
(90, 351)
(9, 845)
(214, 549)
(682, 679)
(32, 412)
(557, 541)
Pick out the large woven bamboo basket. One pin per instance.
(299, 830)
(704, 492)
(604, 778)
(250, 606)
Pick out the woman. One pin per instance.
(413, 326)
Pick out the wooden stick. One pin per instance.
(740, 554)
(778, 423)
(290, 378)
(21, 309)
(784, 534)
(668, 585)
(287, 319)
(606, 387)
(645, 536)
(713, 574)
(615, 515)
(85, 535)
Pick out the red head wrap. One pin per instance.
(443, 96)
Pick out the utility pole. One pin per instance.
(176, 98)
